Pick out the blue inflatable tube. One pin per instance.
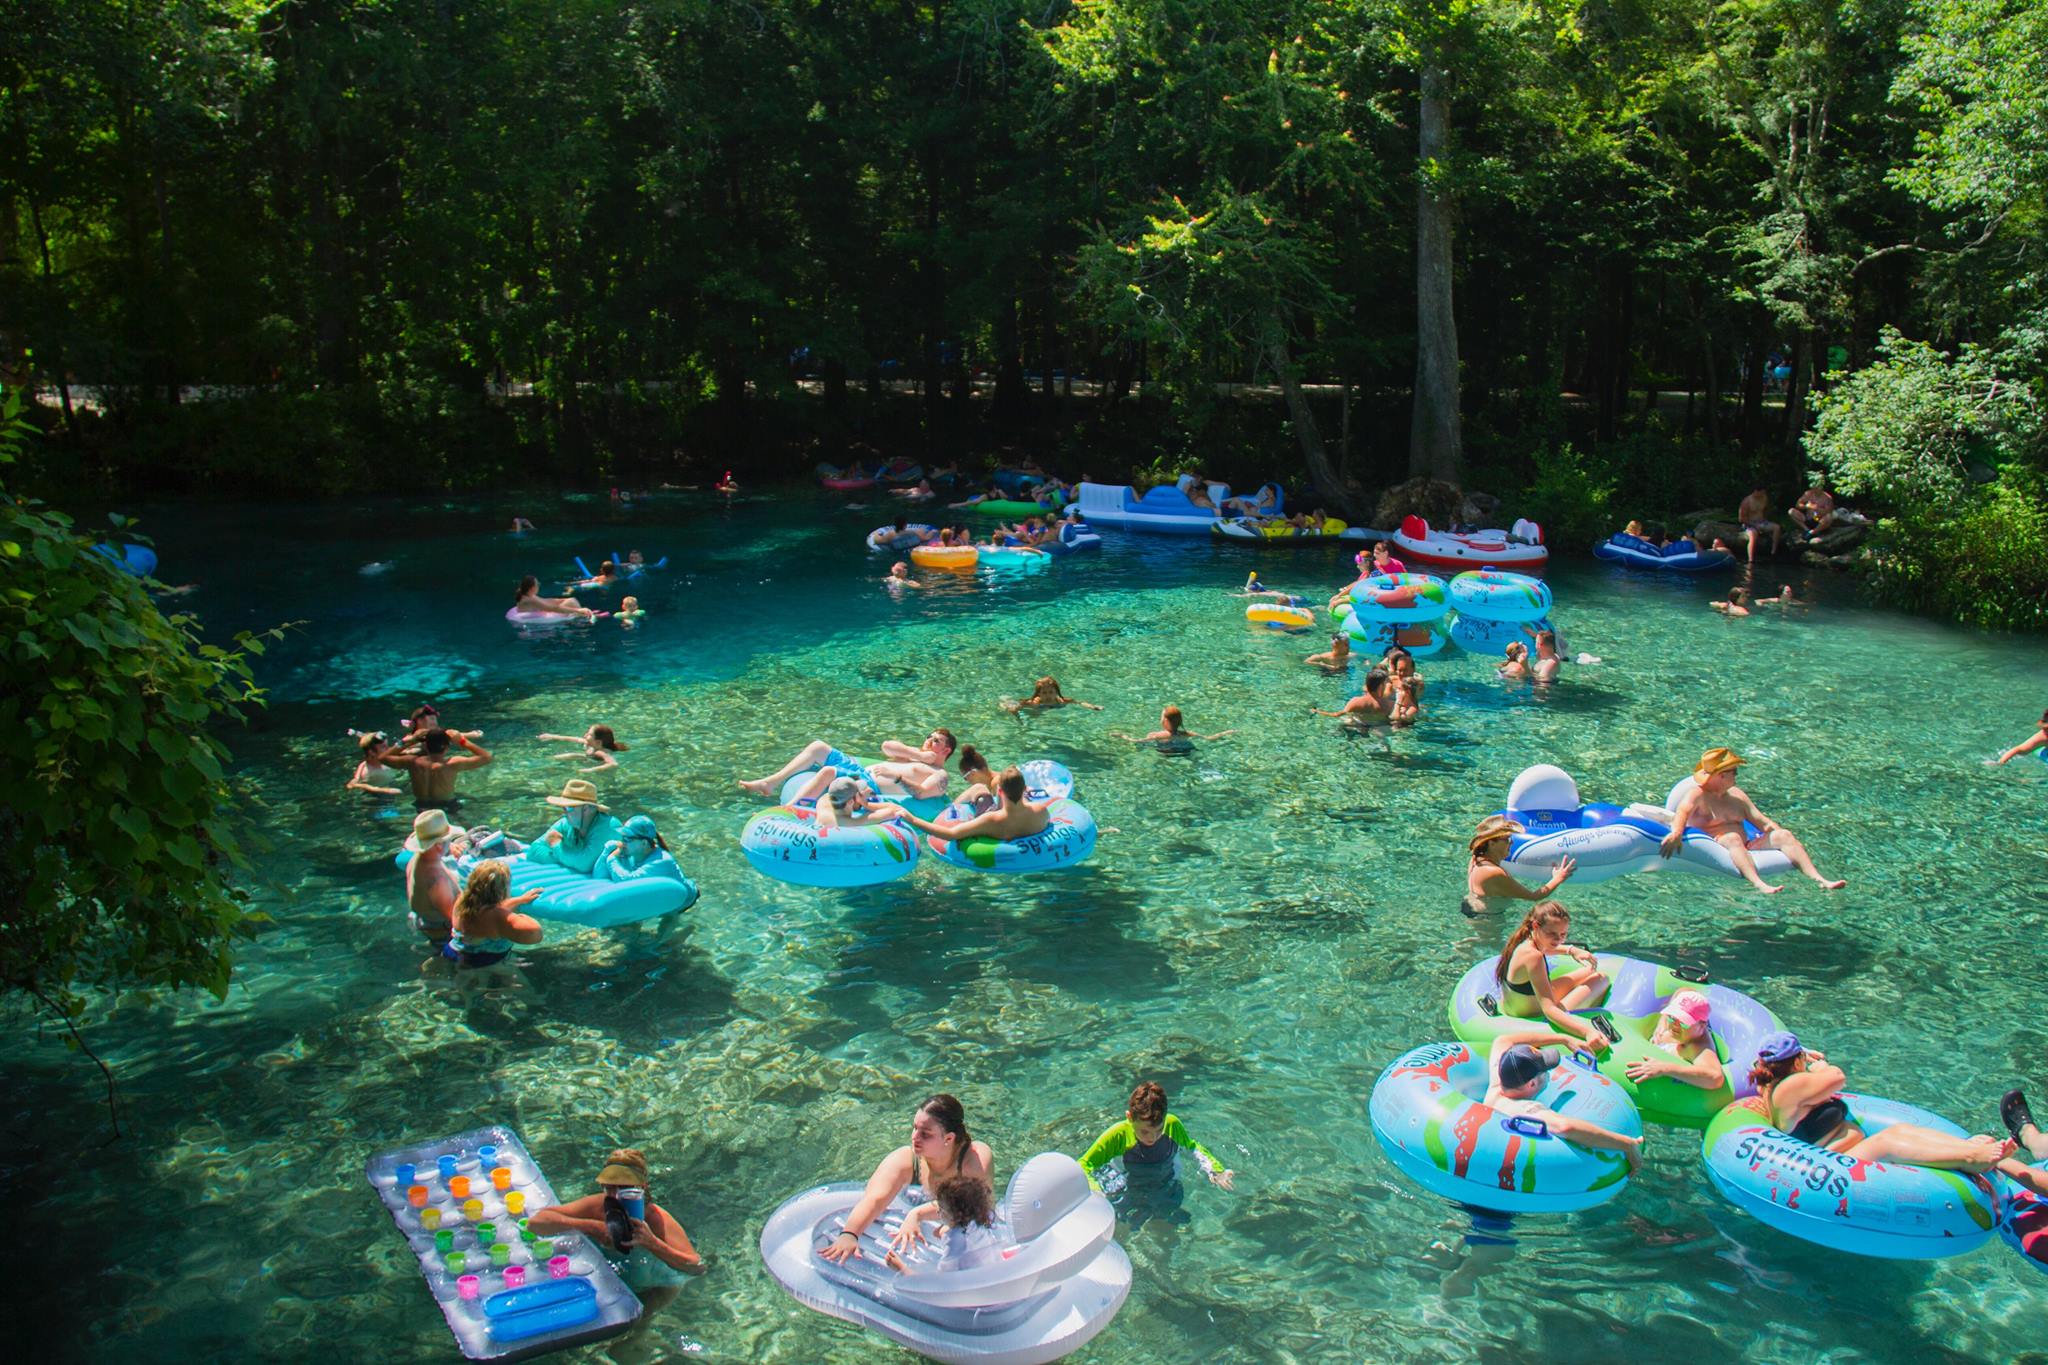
(588, 902)
(1490, 639)
(1067, 840)
(1074, 537)
(1374, 638)
(1680, 556)
(1607, 841)
(139, 560)
(789, 845)
(1886, 1209)
(1429, 1115)
(1496, 595)
(1046, 780)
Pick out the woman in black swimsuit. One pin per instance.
(1529, 991)
(1803, 1092)
(940, 1148)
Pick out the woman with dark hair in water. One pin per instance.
(940, 1149)
(528, 599)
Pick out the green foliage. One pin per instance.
(1904, 431)
(117, 857)
(1986, 563)
(1570, 497)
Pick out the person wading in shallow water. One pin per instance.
(434, 769)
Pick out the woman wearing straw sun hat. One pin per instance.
(1717, 806)
(578, 839)
(1489, 888)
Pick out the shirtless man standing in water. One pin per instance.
(1719, 807)
(430, 885)
(434, 769)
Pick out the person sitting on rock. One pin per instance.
(1814, 513)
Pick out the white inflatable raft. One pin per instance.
(1060, 1279)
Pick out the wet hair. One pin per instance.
(487, 886)
(1376, 678)
(604, 738)
(1546, 915)
(1393, 653)
(1763, 1073)
(606, 567)
(1516, 650)
(951, 1117)
(952, 744)
(1737, 596)
(1148, 1102)
(903, 523)
(435, 741)
(1048, 681)
(969, 758)
(1010, 782)
(417, 722)
(965, 1201)
(1547, 637)
(528, 586)
(1171, 715)
(2044, 717)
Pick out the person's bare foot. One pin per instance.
(1994, 1151)
(758, 786)
(1835, 884)
(1767, 888)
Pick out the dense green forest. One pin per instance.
(1557, 251)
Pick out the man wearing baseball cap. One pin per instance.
(1719, 807)
(1516, 1068)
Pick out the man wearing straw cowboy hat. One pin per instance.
(1716, 805)
(430, 883)
(578, 839)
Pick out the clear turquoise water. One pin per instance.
(1276, 918)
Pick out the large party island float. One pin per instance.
(1056, 1281)
(1167, 509)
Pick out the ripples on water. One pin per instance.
(1276, 918)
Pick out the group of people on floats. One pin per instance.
(843, 792)
(1800, 1088)
(950, 1174)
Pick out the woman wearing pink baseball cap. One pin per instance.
(1682, 1032)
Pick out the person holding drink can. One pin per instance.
(623, 1183)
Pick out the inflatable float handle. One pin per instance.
(581, 565)
(1606, 1026)
(1526, 1126)
(1697, 975)
(1489, 1006)
(1585, 1059)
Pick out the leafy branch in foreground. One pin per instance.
(117, 860)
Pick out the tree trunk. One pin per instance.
(1328, 482)
(835, 385)
(35, 216)
(1713, 391)
(1010, 398)
(1753, 389)
(1435, 440)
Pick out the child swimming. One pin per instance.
(599, 744)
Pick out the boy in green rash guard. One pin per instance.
(1148, 1140)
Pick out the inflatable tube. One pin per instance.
(1252, 531)
(631, 570)
(1492, 595)
(1680, 556)
(889, 540)
(1375, 639)
(1399, 598)
(1016, 480)
(2023, 1219)
(497, 1312)
(1068, 840)
(1415, 543)
(1046, 780)
(1428, 1114)
(900, 470)
(521, 617)
(1607, 841)
(1012, 557)
(1057, 1279)
(954, 558)
(848, 482)
(138, 560)
(787, 844)
(1009, 507)
(1490, 639)
(924, 807)
(1165, 508)
(1637, 991)
(586, 900)
(1911, 1213)
(1275, 616)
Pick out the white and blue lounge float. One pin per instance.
(1607, 841)
(1162, 509)
(1059, 1278)
(1680, 556)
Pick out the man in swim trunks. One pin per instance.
(1335, 659)
(938, 747)
(1719, 807)
(1375, 705)
(1814, 512)
(1548, 661)
(1751, 515)
(430, 882)
(434, 768)
(1013, 818)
